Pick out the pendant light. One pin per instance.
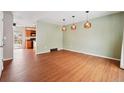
(73, 27)
(87, 24)
(63, 27)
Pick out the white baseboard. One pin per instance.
(6, 59)
(42, 52)
(47, 51)
(122, 67)
(60, 49)
(93, 54)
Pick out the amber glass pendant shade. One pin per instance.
(73, 27)
(64, 28)
(87, 25)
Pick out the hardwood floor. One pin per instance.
(63, 66)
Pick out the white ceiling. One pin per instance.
(29, 18)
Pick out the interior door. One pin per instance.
(1, 42)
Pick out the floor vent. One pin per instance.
(53, 49)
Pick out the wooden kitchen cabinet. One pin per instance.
(30, 33)
(29, 44)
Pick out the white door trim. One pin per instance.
(122, 54)
(1, 42)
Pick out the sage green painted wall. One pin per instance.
(48, 36)
(104, 38)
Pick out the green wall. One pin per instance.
(48, 36)
(104, 38)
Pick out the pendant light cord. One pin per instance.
(87, 15)
(63, 22)
(73, 18)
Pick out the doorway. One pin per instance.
(18, 39)
(24, 40)
(30, 38)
